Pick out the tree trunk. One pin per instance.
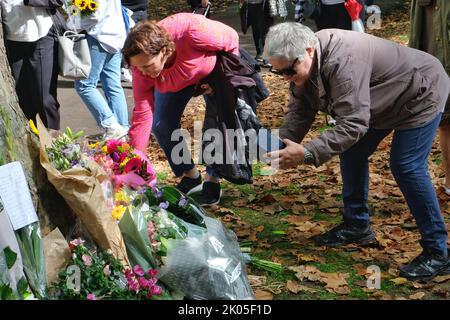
(17, 143)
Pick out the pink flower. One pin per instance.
(128, 274)
(156, 290)
(112, 145)
(91, 296)
(87, 260)
(149, 295)
(138, 271)
(152, 272)
(107, 270)
(133, 286)
(133, 165)
(75, 243)
(144, 283)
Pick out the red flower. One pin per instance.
(132, 165)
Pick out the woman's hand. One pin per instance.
(286, 158)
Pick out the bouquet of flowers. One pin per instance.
(65, 152)
(194, 254)
(85, 7)
(102, 277)
(126, 165)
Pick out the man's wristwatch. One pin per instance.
(308, 157)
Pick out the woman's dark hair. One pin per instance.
(146, 37)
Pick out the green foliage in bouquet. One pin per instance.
(64, 152)
(7, 260)
(96, 275)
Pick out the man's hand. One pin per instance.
(205, 3)
(289, 157)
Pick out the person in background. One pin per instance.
(168, 59)
(258, 17)
(430, 32)
(105, 39)
(139, 8)
(335, 15)
(30, 28)
(199, 4)
(140, 13)
(338, 72)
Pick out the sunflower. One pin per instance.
(93, 6)
(82, 4)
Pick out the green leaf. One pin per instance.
(69, 132)
(10, 256)
(22, 287)
(6, 293)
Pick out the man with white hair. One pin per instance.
(372, 87)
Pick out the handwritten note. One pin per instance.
(15, 195)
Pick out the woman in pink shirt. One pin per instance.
(168, 59)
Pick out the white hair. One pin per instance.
(289, 40)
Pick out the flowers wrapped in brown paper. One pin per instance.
(82, 190)
(57, 254)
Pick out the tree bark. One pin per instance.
(18, 143)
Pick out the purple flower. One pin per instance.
(164, 205)
(182, 202)
(138, 271)
(158, 194)
(91, 296)
(74, 163)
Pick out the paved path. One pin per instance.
(76, 115)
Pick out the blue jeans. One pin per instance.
(409, 165)
(106, 68)
(168, 110)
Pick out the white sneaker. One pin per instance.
(116, 131)
(126, 75)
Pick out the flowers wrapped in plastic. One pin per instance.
(126, 165)
(193, 253)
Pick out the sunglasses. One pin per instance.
(289, 71)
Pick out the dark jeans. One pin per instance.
(34, 67)
(168, 110)
(409, 165)
(260, 20)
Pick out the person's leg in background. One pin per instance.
(409, 164)
(444, 140)
(256, 20)
(91, 96)
(110, 78)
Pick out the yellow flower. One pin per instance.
(82, 4)
(121, 197)
(93, 6)
(33, 128)
(118, 212)
(124, 162)
(105, 149)
(93, 145)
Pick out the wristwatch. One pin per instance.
(308, 157)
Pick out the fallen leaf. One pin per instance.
(417, 296)
(263, 295)
(399, 281)
(295, 287)
(441, 279)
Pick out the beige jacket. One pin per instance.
(363, 81)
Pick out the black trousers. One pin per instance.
(34, 66)
(260, 20)
(336, 16)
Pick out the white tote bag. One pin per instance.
(73, 56)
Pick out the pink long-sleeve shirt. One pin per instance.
(197, 42)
